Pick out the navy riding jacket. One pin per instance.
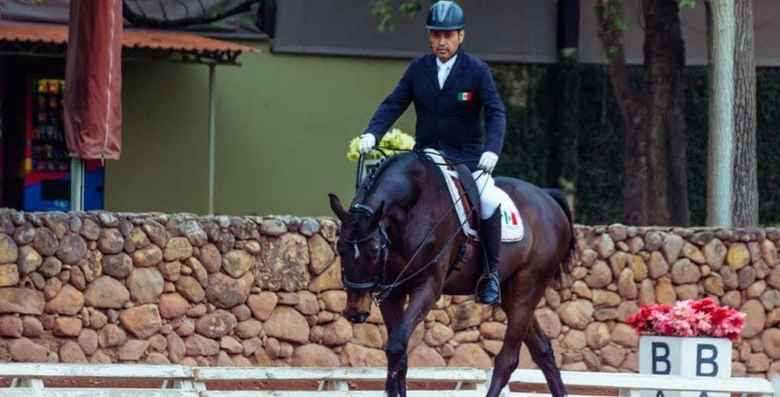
(449, 118)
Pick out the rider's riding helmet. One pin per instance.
(445, 15)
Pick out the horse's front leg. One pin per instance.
(420, 302)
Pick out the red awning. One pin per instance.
(189, 43)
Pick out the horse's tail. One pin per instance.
(560, 198)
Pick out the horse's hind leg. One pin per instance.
(542, 353)
(521, 294)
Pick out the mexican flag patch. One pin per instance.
(465, 96)
(510, 218)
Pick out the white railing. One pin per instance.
(181, 381)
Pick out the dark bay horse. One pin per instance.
(400, 239)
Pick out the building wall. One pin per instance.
(283, 125)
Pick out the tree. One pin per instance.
(655, 191)
(745, 192)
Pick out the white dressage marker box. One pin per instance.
(685, 356)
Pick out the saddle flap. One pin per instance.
(466, 180)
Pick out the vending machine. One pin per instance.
(46, 161)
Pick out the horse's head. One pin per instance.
(363, 246)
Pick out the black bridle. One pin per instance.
(364, 210)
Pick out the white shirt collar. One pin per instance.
(447, 64)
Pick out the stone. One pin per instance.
(774, 278)
(136, 240)
(156, 232)
(758, 363)
(770, 299)
(492, 330)
(755, 318)
(231, 345)
(176, 348)
(211, 258)
(88, 341)
(97, 319)
(769, 253)
(307, 303)
(581, 289)
(576, 314)
(687, 291)
(50, 267)
(9, 252)
(111, 241)
(746, 276)
(77, 278)
(335, 301)
(106, 293)
(68, 301)
(118, 266)
(579, 272)
(552, 297)
(359, 356)
(438, 335)
(658, 265)
(178, 248)
(262, 305)
(470, 355)
(625, 336)
(236, 263)
(738, 256)
(72, 249)
(424, 356)
(639, 267)
(143, 321)
(369, 335)
(730, 277)
(158, 343)
(320, 253)
(336, 333)
(613, 354)
(11, 326)
(603, 298)
(197, 345)
(273, 227)
(249, 329)
(646, 292)
(635, 244)
(148, 257)
(715, 253)
(288, 298)
(226, 292)
(216, 325)
(287, 324)
(21, 300)
(672, 247)
(732, 299)
(588, 257)
(693, 253)
(626, 285)
(605, 246)
(597, 335)
(626, 310)
(665, 293)
(328, 280)
(32, 327)
(24, 234)
(146, 284)
(173, 306)
(713, 285)
(311, 355)
(29, 260)
(71, 352)
(190, 288)
(171, 271)
(600, 275)
(198, 271)
(25, 350)
(685, 272)
(770, 338)
(605, 314)
(198, 310)
(132, 350)
(9, 275)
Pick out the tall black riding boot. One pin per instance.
(489, 285)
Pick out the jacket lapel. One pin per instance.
(432, 71)
(455, 72)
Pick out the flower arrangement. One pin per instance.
(703, 317)
(395, 139)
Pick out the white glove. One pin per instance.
(367, 142)
(488, 161)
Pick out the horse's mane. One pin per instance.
(373, 176)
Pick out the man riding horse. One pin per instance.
(450, 89)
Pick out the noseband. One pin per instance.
(364, 210)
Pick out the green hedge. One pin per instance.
(590, 144)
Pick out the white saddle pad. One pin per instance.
(511, 224)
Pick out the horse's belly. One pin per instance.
(463, 279)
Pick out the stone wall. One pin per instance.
(103, 287)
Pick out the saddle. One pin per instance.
(465, 195)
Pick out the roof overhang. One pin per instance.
(50, 40)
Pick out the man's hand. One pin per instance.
(488, 161)
(367, 142)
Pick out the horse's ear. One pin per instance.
(338, 209)
(378, 214)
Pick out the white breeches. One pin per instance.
(489, 194)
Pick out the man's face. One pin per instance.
(445, 43)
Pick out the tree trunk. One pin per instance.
(720, 151)
(745, 195)
(655, 189)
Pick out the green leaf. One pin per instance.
(687, 3)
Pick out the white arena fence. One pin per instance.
(27, 379)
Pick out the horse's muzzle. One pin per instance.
(358, 306)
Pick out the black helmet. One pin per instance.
(445, 15)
